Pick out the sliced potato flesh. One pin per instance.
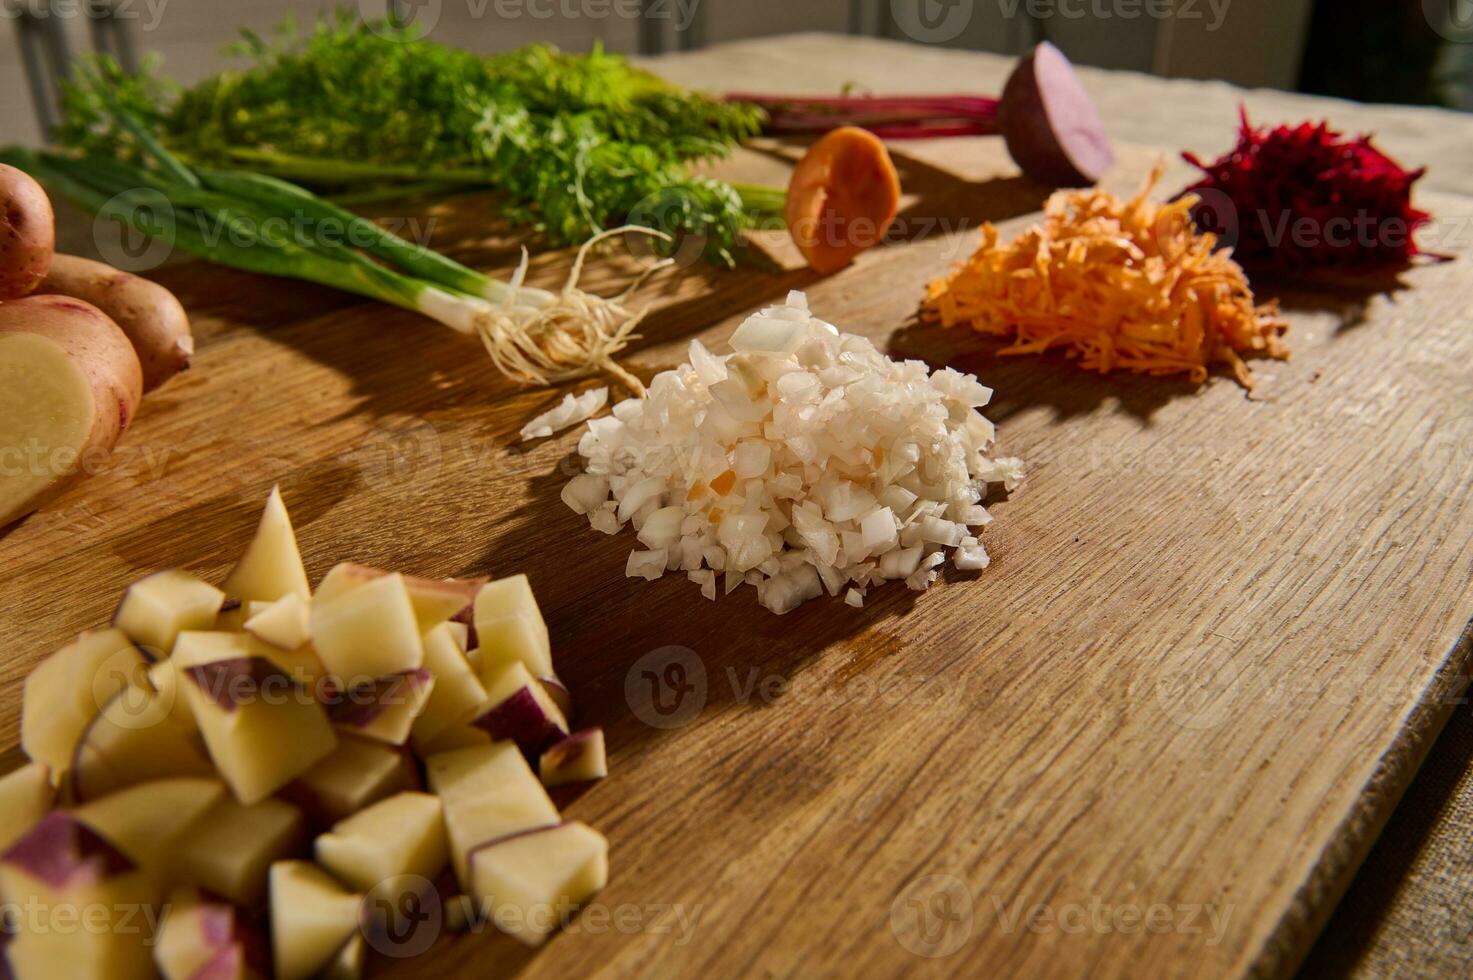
(46, 419)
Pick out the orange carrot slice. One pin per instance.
(842, 199)
(723, 484)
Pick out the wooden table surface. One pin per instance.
(1160, 733)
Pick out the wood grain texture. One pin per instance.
(1160, 731)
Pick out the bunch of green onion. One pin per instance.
(244, 220)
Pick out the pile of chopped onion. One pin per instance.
(803, 460)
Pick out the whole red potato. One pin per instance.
(27, 233)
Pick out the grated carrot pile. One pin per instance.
(1121, 285)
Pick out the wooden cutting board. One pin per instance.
(1157, 735)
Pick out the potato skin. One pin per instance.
(149, 315)
(27, 233)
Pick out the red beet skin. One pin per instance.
(1052, 128)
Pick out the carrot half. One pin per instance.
(842, 199)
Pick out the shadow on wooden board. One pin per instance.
(1345, 295)
(945, 202)
(1053, 380)
(934, 200)
(608, 621)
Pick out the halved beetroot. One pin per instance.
(1052, 128)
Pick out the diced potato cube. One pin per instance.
(368, 632)
(578, 758)
(134, 738)
(527, 881)
(156, 609)
(25, 796)
(520, 709)
(70, 897)
(488, 792)
(359, 772)
(205, 939)
(144, 821)
(461, 735)
(164, 676)
(64, 691)
(402, 835)
(385, 709)
(230, 850)
(272, 565)
(284, 623)
(457, 692)
(261, 728)
(434, 600)
(312, 918)
(510, 628)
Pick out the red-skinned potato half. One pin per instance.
(27, 233)
(69, 385)
(842, 198)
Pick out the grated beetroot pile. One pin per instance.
(1305, 198)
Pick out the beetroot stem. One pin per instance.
(897, 117)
